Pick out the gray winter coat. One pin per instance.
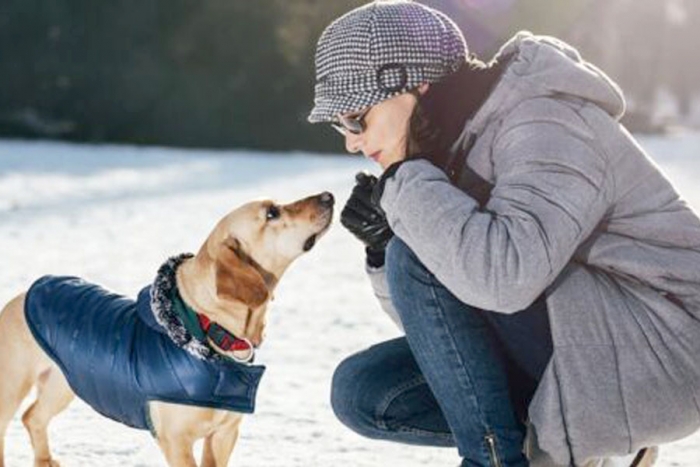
(579, 211)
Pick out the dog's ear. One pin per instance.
(236, 278)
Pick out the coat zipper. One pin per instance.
(491, 444)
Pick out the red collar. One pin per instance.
(221, 337)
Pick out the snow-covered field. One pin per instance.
(112, 214)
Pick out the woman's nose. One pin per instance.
(352, 142)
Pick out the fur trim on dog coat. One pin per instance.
(117, 354)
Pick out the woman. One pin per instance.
(545, 273)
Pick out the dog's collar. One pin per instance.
(180, 321)
(202, 328)
(227, 341)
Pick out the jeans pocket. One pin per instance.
(490, 440)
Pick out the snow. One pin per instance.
(113, 214)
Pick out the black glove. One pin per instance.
(364, 218)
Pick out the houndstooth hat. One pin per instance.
(380, 50)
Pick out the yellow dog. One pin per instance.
(208, 309)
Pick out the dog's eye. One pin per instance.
(273, 212)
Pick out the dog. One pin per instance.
(204, 312)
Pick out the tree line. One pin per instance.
(239, 73)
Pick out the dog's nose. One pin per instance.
(326, 199)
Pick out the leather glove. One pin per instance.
(364, 218)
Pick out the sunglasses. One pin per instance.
(354, 124)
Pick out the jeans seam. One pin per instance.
(391, 397)
(461, 367)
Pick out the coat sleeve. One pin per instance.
(549, 195)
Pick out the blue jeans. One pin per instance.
(461, 377)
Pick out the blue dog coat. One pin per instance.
(117, 357)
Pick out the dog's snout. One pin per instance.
(326, 199)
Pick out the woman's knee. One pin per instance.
(409, 281)
(364, 382)
(398, 253)
(350, 394)
(403, 265)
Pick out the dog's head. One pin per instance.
(253, 245)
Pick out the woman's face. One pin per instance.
(386, 129)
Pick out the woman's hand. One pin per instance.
(364, 218)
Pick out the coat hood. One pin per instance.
(543, 66)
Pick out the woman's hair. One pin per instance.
(423, 135)
(439, 114)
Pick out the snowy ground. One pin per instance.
(112, 214)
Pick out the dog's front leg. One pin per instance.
(175, 427)
(219, 445)
(177, 451)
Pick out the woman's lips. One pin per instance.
(375, 155)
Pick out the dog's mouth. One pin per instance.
(310, 242)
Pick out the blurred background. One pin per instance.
(239, 73)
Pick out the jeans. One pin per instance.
(461, 377)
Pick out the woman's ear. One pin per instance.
(237, 279)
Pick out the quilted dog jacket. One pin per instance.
(117, 357)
